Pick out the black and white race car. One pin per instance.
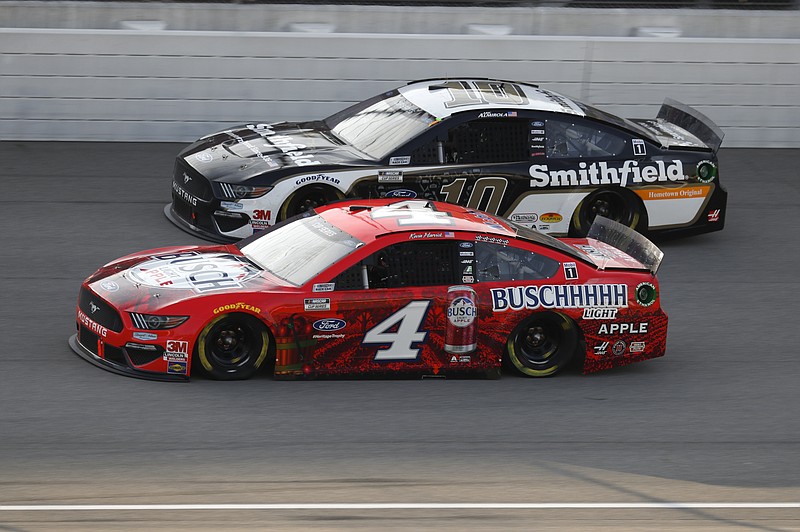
(538, 158)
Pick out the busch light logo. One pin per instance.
(462, 312)
(401, 193)
(329, 324)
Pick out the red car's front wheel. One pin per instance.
(233, 347)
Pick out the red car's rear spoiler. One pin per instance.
(692, 121)
(628, 241)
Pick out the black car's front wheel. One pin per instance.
(542, 345)
(308, 198)
(617, 204)
(233, 347)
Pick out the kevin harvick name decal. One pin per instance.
(560, 296)
(607, 173)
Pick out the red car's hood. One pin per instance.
(151, 281)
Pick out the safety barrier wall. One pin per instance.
(134, 85)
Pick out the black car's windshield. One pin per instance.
(379, 125)
(299, 250)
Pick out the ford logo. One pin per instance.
(401, 193)
(329, 324)
(465, 244)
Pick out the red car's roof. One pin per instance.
(370, 219)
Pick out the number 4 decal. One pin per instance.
(400, 332)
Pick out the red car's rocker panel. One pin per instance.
(378, 287)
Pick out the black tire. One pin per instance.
(542, 345)
(233, 347)
(617, 204)
(308, 198)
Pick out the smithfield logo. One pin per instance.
(620, 173)
(401, 193)
(329, 324)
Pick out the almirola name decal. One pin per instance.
(560, 296)
(605, 173)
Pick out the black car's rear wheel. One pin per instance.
(617, 204)
(233, 347)
(542, 345)
(308, 198)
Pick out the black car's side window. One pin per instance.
(400, 265)
(573, 139)
(494, 262)
(488, 141)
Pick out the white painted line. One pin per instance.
(396, 506)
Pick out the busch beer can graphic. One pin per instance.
(462, 313)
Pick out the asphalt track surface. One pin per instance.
(715, 421)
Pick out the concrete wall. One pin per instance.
(79, 84)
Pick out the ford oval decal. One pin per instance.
(401, 193)
(329, 324)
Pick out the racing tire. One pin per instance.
(233, 347)
(542, 345)
(308, 198)
(617, 204)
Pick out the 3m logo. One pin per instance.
(713, 216)
(259, 214)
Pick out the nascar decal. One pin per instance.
(607, 173)
(192, 271)
(559, 296)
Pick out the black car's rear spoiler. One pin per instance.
(692, 121)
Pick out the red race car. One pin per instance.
(378, 287)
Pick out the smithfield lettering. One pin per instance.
(605, 173)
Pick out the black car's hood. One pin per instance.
(246, 151)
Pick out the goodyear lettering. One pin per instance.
(317, 178)
(237, 306)
(603, 173)
(560, 296)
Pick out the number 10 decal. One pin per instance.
(495, 186)
(400, 332)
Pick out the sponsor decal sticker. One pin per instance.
(193, 271)
(551, 218)
(465, 244)
(600, 313)
(713, 216)
(620, 173)
(329, 324)
(204, 157)
(317, 303)
(498, 114)
(570, 270)
(231, 205)
(637, 347)
(468, 279)
(397, 161)
(466, 253)
(639, 147)
(673, 193)
(177, 367)
(401, 193)
(601, 349)
(390, 176)
(177, 351)
(317, 178)
(462, 312)
(619, 347)
(323, 287)
(559, 296)
(145, 336)
(525, 217)
(623, 328)
(109, 286)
